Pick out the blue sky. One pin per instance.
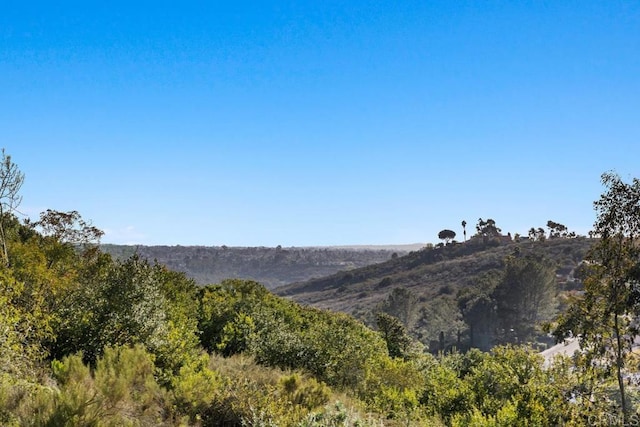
(318, 123)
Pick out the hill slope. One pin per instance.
(430, 281)
(428, 272)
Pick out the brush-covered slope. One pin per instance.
(429, 273)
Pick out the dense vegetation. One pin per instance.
(89, 340)
(272, 267)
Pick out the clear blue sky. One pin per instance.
(318, 123)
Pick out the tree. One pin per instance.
(125, 303)
(487, 228)
(68, 227)
(403, 305)
(64, 232)
(440, 316)
(394, 334)
(18, 348)
(479, 313)
(464, 229)
(557, 230)
(120, 304)
(524, 297)
(537, 235)
(11, 180)
(447, 235)
(605, 316)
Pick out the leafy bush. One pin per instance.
(194, 388)
(121, 391)
(256, 395)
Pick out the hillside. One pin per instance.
(432, 280)
(428, 272)
(272, 267)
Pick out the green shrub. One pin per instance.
(251, 394)
(194, 388)
(122, 391)
(307, 393)
(24, 403)
(337, 415)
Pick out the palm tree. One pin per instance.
(464, 230)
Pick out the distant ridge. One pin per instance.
(272, 267)
(398, 247)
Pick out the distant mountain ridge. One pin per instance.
(272, 267)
